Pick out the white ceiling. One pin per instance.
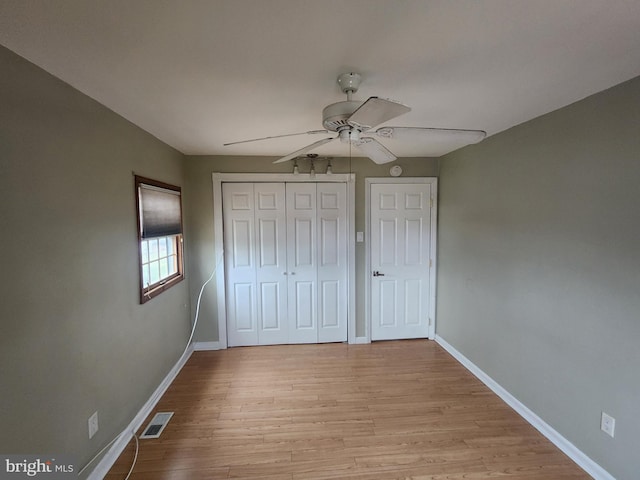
(197, 74)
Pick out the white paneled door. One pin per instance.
(302, 262)
(332, 261)
(286, 262)
(255, 251)
(400, 260)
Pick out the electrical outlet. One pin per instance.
(608, 424)
(93, 424)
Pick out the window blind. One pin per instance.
(160, 211)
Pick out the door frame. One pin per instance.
(219, 178)
(433, 181)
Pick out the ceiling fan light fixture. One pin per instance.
(350, 135)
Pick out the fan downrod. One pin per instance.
(335, 116)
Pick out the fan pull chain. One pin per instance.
(350, 169)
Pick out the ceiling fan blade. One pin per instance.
(375, 150)
(311, 132)
(462, 137)
(304, 150)
(375, 111)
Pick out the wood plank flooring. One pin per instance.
(388, 410)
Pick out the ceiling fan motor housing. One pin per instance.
(335, 116)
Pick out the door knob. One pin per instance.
(376, 273)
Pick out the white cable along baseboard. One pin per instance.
(105, 464)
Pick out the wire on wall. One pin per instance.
(193, 329)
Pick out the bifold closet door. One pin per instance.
(302, 262)
(286, 262)
(317, 260)
(332, 260)
(255, 260)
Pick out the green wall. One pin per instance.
(74, 337)
(199, 216)
(539, 268)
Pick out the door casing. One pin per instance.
(433, 181)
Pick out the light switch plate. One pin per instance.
(608, 424)
(93, 424)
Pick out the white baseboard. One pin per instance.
(573, 452)
(202, 346)
(109, 458)
(361, 340)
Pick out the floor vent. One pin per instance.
(156, 425)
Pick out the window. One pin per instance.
(159, 210)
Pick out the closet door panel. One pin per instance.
(271, 263)
(302, 262)
(332, 262)
(240, 258)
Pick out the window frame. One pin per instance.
(147, 293)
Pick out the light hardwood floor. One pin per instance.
(388, 410)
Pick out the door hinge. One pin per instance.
(431, 202)
(430, 321)
(430, 263)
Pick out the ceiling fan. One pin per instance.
(354, 120)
